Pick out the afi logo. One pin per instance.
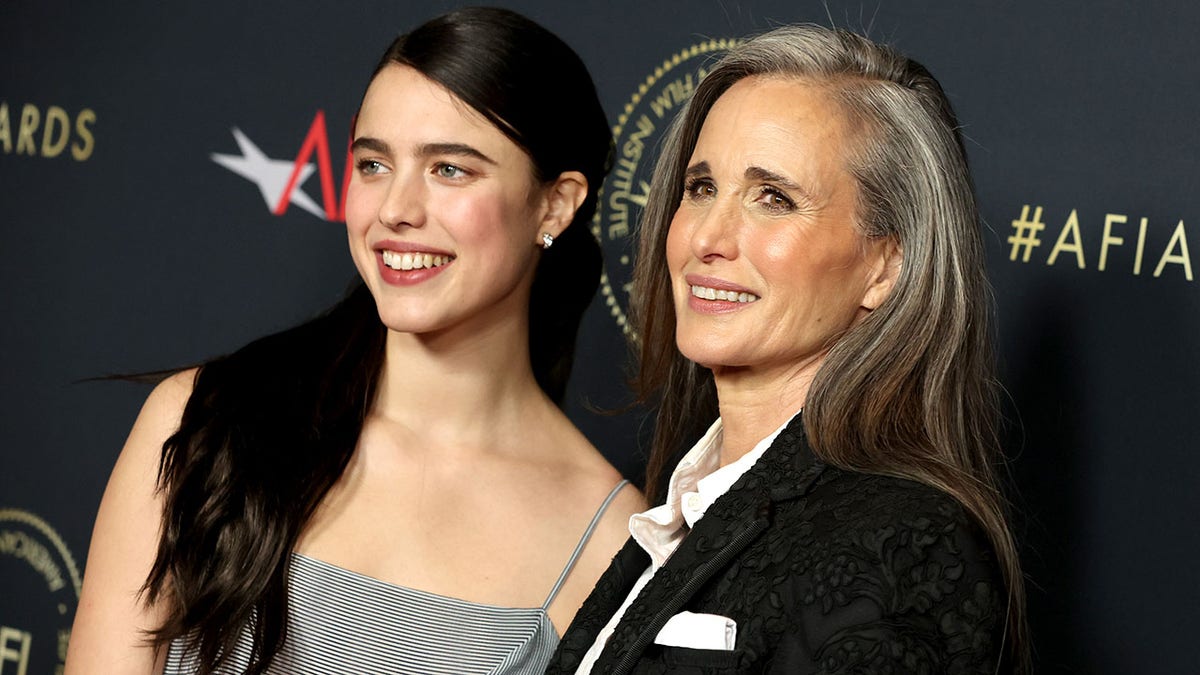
(279, 180)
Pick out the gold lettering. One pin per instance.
(18, 655)
(82, 151)
(624, 171)
(617, 201)
(1181, 258)
(1137, 260)
(1076, 246)
(619, 224)
(674, 93)
(634, 146)
(5, 128)
(29, 124)
(1109, 219)
(56, 117)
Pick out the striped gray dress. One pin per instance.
(344, 623)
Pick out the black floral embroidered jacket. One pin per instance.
(824, 571)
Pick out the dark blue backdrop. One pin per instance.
(127, 246)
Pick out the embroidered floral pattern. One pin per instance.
(853, 573)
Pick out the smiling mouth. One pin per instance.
(706, 293)
(414, 261)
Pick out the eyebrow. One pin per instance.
(697, 169)
(455, 149)
(758, 173)
(372, 144)
(753, 173)
(423, 150)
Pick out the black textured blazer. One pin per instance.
(824, 571)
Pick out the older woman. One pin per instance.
(812, 248)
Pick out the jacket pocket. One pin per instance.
(706, 660)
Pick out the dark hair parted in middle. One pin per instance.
(910, 390)
(271, 428)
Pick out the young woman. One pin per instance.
(390, 487)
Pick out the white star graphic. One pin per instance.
(270, 175)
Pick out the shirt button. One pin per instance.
(693, 501)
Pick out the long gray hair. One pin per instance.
(910, 390)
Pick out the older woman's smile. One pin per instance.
(710, 294)
(707, 293)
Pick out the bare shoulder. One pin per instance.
(585, 480)
(609, 535)
(137, 465)
(110, 623)
(613, 528)
(158, 419)
(166, 402)
(595, 476)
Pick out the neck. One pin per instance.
(755, 402)
(466, 386)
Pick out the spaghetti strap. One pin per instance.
(587, 534)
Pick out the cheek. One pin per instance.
(361, 207)
(677, 243)
(489, 220)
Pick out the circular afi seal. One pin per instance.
(42, 586)
(623, 194)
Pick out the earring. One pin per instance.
(547, 240)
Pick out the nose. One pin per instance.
(404, 202)
(714, 231)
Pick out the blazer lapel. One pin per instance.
(611, 590)
(733, 521)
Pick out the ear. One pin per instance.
(562, 199)
(889, 259)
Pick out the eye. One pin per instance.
(449, 171)
(698, 189)
(775, 200)
(370, 167)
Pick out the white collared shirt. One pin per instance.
(696, 483)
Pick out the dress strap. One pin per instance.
(587, 534)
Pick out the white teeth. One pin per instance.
(729, 296)
(413, 261)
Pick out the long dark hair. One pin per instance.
(910, 391)
(269, 429)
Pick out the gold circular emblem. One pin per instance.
(37, 609)
(623, 194)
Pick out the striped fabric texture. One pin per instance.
(344, 623)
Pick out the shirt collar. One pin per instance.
(697, 482)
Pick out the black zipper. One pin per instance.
(702, 576)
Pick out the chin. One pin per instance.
(402, 321)
(707, 356)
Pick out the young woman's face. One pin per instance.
(767, 265)
(442, 211)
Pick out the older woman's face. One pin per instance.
(767, 266)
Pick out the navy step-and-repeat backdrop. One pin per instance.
(171, 177)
